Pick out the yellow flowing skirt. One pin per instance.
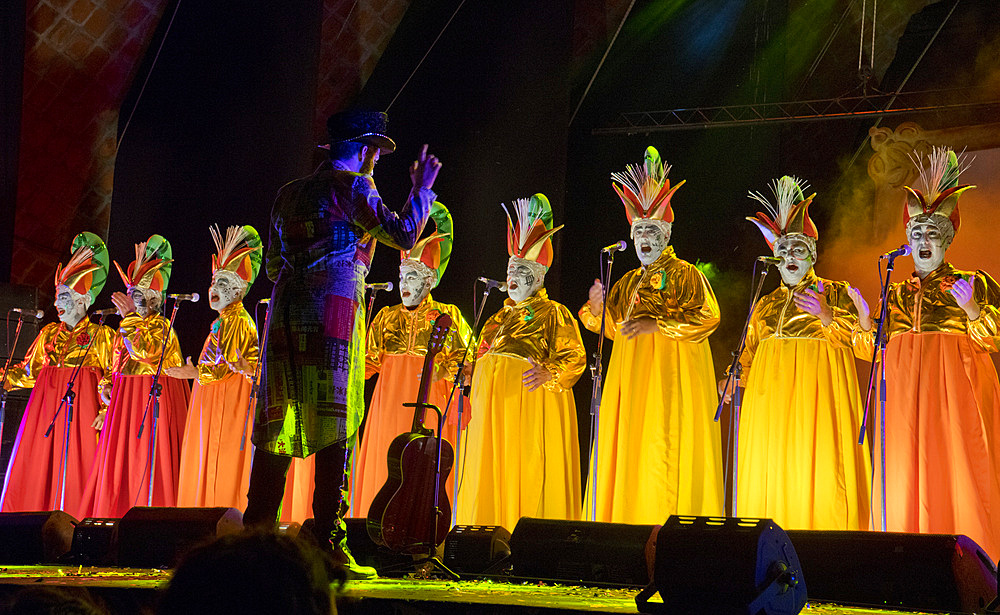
(659, 451)
(522, 455)
(800, 463)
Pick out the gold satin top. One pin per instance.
(776, 315)
(926, 306)
(539, 329)
(59, 346)
(671, 291)
(233, 335)
(137, 346)
(396, 330)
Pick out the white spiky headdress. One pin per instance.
(788, 215)
(940, 188)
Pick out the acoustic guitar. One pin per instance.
(403, 516)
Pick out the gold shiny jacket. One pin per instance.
(59, 346)
(396, 330)
(233, 335)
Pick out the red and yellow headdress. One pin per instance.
(529, 230)
(151, 267)
(434, 251)
(789, 215)
(645, 190)
(239, 252)
(87, 270)
(939, 179)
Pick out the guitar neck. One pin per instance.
(422, 391)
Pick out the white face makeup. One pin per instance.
(225, 289)
(928, 247)
(70, 306)
(414, 285)
(796, 259)
(521, 282)
(650, 240)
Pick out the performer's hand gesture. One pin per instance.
(123, 302)
(424, 169)
(638, 326)
(188, 371)
(727, 393)
(596, 299)
(864, 314)
(964, 293)
(98, 422)
(536, 376)
(240, 365)
(813, 302)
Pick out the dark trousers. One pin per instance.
(330, 499)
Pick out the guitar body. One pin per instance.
(401, 516)
(404, 516)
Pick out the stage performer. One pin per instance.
(942, 416)
(213, 469)
(120, 477)
(35, 473)
(397, 345)
(523, 454)
(659, 451)
(799, 461)
(324, 230)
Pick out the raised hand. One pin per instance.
(596, 298)
(814, 303)
(964, 294)
(864, 314)
(123, 303)
(424, 169)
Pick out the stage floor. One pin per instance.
(131, 590)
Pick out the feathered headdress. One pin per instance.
(789, 215)
(239, 252)
(151, 267)
(529, 230)
(87, 270)
(434, 251)
(645, 190)
(939, 180)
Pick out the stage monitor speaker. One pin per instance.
(95, 543)
(35, 537)
(475, 549)
(931, 572)
(362, 547)
(587, 552)
(725, 566)
(156, 537)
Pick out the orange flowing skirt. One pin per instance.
(387, 418)
(213, 469)
(942, 425)
(34, 475)
(120, 476)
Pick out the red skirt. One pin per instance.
(120, 476)
(34, 475)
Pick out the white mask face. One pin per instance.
(414, 286)
(650, 240)
(521, 282)
(927, 245)
(224, 290)
(796, 259)
(70, 306)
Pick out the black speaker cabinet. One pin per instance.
(95, 542)
(725, 566)
(156, 537)
(474, 549)
(585, 552)
(35, 537)
(930, 572)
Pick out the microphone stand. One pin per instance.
(733, 376)
(879, 350)
(67, 400)
(473, 341)
(3, 385)
(154, 400)
(597, 379)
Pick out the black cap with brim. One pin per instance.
(367, 127)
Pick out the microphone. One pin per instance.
(770, 260)
(501, 286)
(30, 313)
(379, 286)
(903, 250)
(105, 312)
(618, 246)
(193, 297)
(265, 300)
